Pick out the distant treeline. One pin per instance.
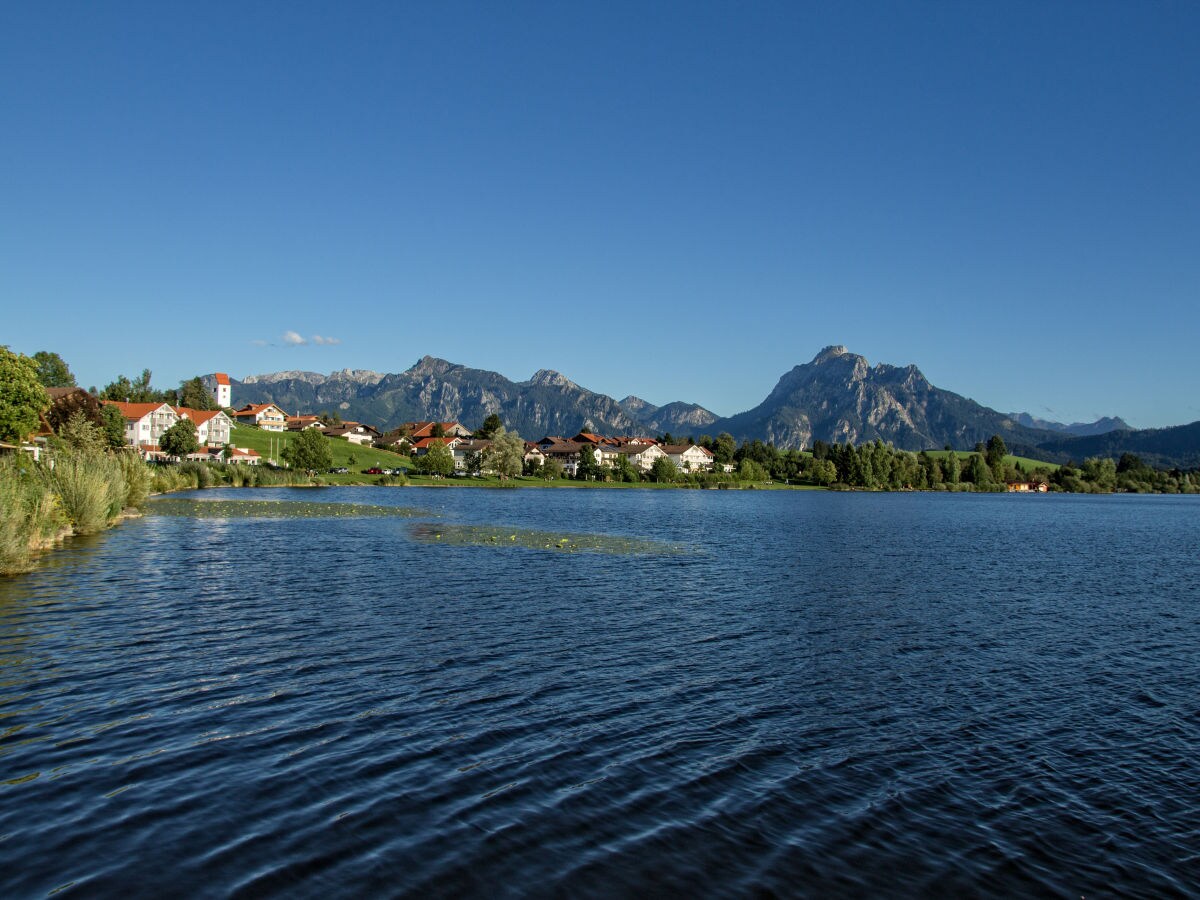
(879, 466)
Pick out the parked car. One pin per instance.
(395, 471)
(338, 470)
(374, 470)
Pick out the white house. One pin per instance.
(464, 450)
(689, 457)
(355, 433)
(642, 456)
(212, 425)
(145, 422)
(266, 416)
(221, 391)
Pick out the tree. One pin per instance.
(194, 395)
(822, 471)
(506, 455)
(112, 423)
(136, 391)
(587, 467)
(749, 470)
(490, 426)
(551, 469)
(995, 453)
(438, 430)
(180, 439)
(23, 399)
(309, 450)
(63, 409)
(438, 460)
(723, 448)
(952, 468)
(978, 472)
(664, 469)
(52, 371)
(80, 433)
(624, 470)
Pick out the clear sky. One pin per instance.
(680, 201)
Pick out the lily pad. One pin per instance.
(554, 541)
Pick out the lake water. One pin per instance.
(804, 694)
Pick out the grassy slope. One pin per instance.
(365, 457)
(1026, 463)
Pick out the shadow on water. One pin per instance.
(278, 509)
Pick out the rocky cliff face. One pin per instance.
(548, 403)
(840, 397)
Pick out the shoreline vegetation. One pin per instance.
(88, 478)
(84, 489)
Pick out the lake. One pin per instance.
(717, 694)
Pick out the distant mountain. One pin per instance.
(434, 389)
(1164, 448)
(839, 397)
(1081, 429)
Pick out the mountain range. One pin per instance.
(837, 397)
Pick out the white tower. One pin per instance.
(221, 391)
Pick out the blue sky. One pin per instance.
(680, 201)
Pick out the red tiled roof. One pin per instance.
(135, 411)
(253, 409)
(198, 416)
(425, 429)
(222, 378)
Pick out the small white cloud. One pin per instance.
(325, 341)
(260, 343)
(293, 339)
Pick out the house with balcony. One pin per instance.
(145, 423)
(212, 425)
(641, 456)
(266, 416)
(689, 457)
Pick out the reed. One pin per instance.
(137, 478)
(90, 486)
(30, 514)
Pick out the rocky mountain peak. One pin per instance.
(833, 351)
(358, 376)
(636, 406)
(430, 365)
(550, 378)
(291, 375)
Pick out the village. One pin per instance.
(145, 424)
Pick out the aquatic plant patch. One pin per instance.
(278, 509)
(555, 541)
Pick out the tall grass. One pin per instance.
(29, 513)
(90, 486)
(137, 479)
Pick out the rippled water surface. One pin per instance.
(812, 694)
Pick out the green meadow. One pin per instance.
(1023, 462)
(269, 443)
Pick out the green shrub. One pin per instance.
(196, 473)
